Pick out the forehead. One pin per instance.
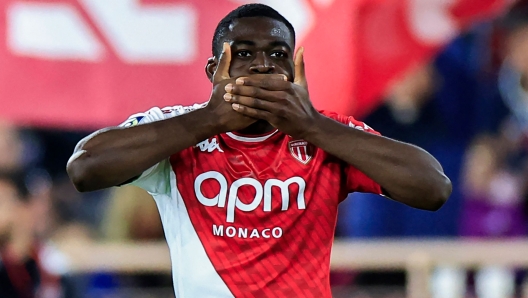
(259, 28)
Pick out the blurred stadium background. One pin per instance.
(448, 75)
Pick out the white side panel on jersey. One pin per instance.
(192, 270)
(155, 180)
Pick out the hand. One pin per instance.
(227, 118)
(283, 104)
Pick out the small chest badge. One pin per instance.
(301, 150)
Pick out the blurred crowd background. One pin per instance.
(468, 106)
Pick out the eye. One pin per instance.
(243, 53)
(279, 54)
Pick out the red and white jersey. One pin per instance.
(250, 216)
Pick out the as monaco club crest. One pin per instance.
(301, 150)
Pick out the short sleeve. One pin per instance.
(156, 179)
(356, 181)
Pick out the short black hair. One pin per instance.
(245, 11)
(18, 180)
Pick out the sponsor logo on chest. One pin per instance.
(228, 196)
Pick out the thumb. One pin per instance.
(300, 78)
(224, 62)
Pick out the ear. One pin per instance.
(210, 68)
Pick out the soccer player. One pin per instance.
(249, 183)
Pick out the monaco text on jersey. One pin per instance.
(230, 193)
(246, 233)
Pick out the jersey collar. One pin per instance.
(252, 139)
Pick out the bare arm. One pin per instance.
(113, 156)
(407, 174)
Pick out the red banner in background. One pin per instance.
(91, 63)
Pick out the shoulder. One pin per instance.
(348, 120)
(157, 113)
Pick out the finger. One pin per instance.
(300, 77)
(251, 102)
(252, 112)
(224, 62)
(256, 92)
(267, 82)
(262, 76)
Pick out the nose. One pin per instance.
(262, 64)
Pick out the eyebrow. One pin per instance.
(277, 43)
(244, 42)
(280, 43)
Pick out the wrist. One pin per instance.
(315, 128)
(203, 124)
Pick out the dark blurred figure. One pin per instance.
(410, 114)
(513, 84)
(413, 112)
(493, 191)
(428, 106)
(442, 107)
(492, 205)
(513, 74)
(28, 267)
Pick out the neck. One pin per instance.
(258, 128)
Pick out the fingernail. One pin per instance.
(235, 106)
(240, 81)
(284, 77)
(229, 87)
(228, 97)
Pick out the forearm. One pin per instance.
(408, 174)
(113, 156)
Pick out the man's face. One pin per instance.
(260, 45)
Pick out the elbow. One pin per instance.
(76, 168)
(88, 174)
(439, 194)
(81, 174)
(84, 169)
(78, 176)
